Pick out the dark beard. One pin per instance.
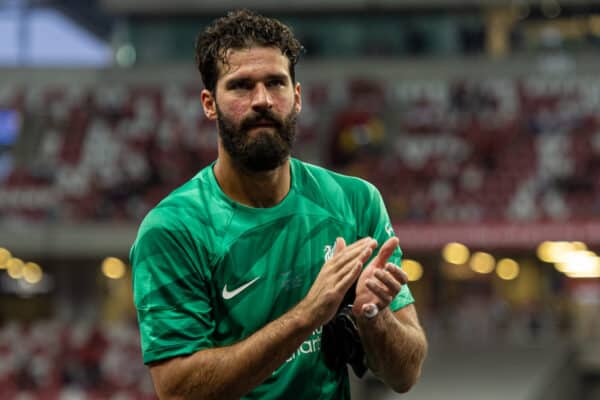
(265, 151)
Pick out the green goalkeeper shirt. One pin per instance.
(209, 272)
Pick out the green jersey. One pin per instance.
(209, 272)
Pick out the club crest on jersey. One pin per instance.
(389, 229)
(329, 251)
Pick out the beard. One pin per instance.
(264, 151)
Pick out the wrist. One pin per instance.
(303, 318)
(366, 322)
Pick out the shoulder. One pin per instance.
(351, 187)
(187, 212)
(173, 208)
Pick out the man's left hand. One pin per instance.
(379, 282)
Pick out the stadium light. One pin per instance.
(456, 253)
(113, 268)
(482, 262)
(125, 55)
(556, 252)
(507, 269)
(413, 269)
(4, 257)
(15, 268)
(580, 264)
(32, 273)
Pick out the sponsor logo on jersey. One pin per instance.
(389, 229)
(309, 346)
(230, 294)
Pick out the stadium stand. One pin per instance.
(447, 151)
(49, 359)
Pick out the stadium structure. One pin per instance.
(479, 122)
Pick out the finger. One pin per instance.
(340, 244)
(361, 250)
(349, 275)
(380, 292)
(360, 242)
(386, 250)
(349, 253)
(389, 281)
(397, 272)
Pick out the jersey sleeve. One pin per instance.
(171, 292)
(377, 224)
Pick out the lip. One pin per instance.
(263, 125)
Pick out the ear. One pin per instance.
(298, 97)
(209, 104)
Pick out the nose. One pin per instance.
(262, 98)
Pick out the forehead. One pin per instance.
(253, 62)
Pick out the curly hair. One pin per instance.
(242, 29)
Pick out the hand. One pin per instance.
(378, 283)
(336, 277)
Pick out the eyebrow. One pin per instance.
(235, 81)
(283, 77)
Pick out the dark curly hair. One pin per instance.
(242, 29)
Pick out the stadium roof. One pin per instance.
(178, 6)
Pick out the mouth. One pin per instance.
(262, 125)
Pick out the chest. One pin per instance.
(269, 268)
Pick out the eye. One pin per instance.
(240, 85)
(276, 82)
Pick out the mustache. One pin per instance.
(259, 118)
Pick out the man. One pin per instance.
(236, 272)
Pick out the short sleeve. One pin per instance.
(171, 293)
(377, 224)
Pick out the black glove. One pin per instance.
(340, 342)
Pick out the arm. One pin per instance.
(394, 343)
(232, 371)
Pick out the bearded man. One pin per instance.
(237, 272)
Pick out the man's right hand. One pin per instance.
(336, 277)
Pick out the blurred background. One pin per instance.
(478, 120)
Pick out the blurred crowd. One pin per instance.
(85, 359)
(440, 151)
(80, 360)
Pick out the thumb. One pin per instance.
(386, 251)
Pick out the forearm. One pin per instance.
(232, 371)
(395, 349)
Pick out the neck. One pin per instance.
(253, 189)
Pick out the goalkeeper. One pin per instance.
(240, 274)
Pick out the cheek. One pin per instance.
(235, 110)
(283, 104)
